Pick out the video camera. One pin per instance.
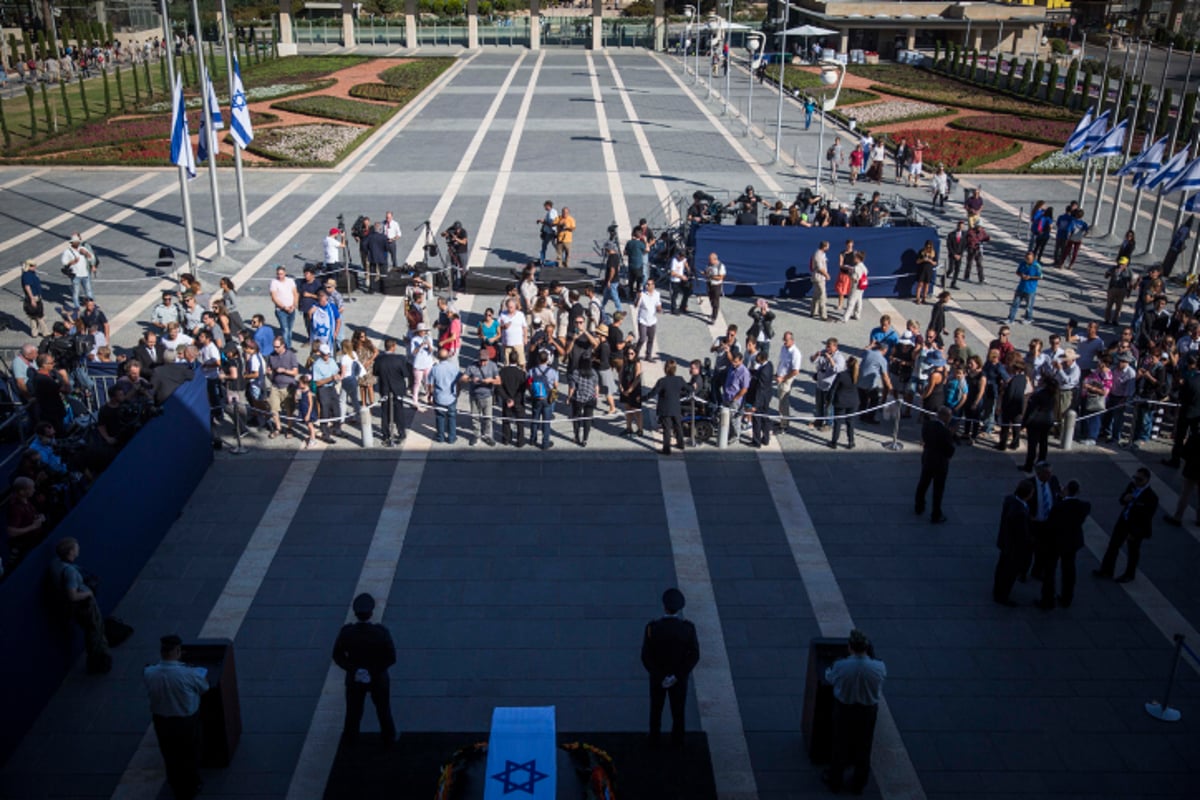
(68, 351)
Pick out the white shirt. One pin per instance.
(715, 273)
(332, 245)
(284, 292)
(678, 263)
(789, 359)
(512, 329)
(856, 276)
(391, 230)
(76, 260)
(877, 153)
(208, 353)
(648, 305)
(819, 266)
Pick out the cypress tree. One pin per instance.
(974, 65)
(32, 114)
(50, 123)
(1012, 71)
(4, 128)
(1186, 116)
(1052, 82)
(935, 53)
(62, 87)
(1068, 88)
(166, 81)
(28, 45)
(107, 92)
(212, 62)
(87, 112)
(120, 88)
(1143, 102)
(1035, 84)
(1164, 112)
(137, 89)
(149, 82)
(195, 68)
(1085, 91)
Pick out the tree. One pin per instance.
(1085, 91)
(87, 112)
(1186, 116)
(935, 53)
(1012, 69)
(1069, 85)
(32, 113)
(4, 128)
(1143, 102)
(1052, 83)
(62, 88)
(1035, 84)
(1164, 112)
(107, 92)
(120, 88)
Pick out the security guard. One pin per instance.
(175, 689)
(857, 680)
(670, 650)
(365, 651)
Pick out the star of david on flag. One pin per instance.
(181, 140)
(522, 755)
(239, 112)
(529, 781)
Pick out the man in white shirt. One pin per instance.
(830, 362)
(82, 263)
(785, 374)
(818, 269)
(514, 334)
(1066, 379)
(333, 246)
(680, 288)
(286, 298)
(715, 275)
(649, 304)
(547, 228)
(391, 229)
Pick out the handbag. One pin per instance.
(34, 310)
(1093, 403)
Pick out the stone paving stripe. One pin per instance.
(67, 216)
(378, 572)
(131, 311)
(611, 171)
(890, 762)
(720, 717)
(491, 214)
(144, 777)
(55, 252)
(28, 177)
(438, 215)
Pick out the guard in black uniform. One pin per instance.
(365, 650)
(670, 650)
(392, 373)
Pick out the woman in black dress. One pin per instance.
(926, 261)
(1012, 403)
(976, 390)
(631, 391)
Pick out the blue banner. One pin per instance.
(770, 261)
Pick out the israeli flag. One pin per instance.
(181, 139)
(214, 107)
(1193, 203)
(239, 112)
(1078, 138)
(522, 753)
(1188, 180)
(1147, 161)
(1111, 144)
(1167, 172)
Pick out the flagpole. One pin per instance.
(1187, 82)
(1133, 126)
(188, 230)
(208, 131)
(1087, 165)
(1150, 133)
(244, 239)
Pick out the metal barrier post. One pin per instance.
(237, 430)
(895, 443)
(364, 424)
(692, 400)
(1161, 710)
(1067, 434)
(723, 434)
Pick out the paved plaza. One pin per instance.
(518, 577)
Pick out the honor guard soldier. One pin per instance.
(670, 650)
(175, 689)
(365, 650)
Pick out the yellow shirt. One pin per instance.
(566, 227)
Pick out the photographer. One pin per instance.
(360, 230)
(746, 206)
(456, 247)
(48, 387)
(334, 245)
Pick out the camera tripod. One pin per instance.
(441, 278)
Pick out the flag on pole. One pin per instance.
(208, 139)
(1110, 144)
(239, 112)
(181, 139)
(1078, 137)
(1147, 161)
(1167, 172)
(1193, 203)
(1188, 179)
(1096, 131)
(214, 107)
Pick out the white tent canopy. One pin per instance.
(806, 30)
(726, 25)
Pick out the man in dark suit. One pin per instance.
(1065, 528)
(956, 245)
(150, 352)
(935, 461)
(1135, 523)
(1047, 492)
(1187, 418)
(668, 397)
(392, 371)
(365, 650)
(670, 650)
(1013, 540)
(762, 388)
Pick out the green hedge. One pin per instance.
(338, 108)
(415, 75)
(382, 92)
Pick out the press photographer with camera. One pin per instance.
(456, 247)
(80, 264)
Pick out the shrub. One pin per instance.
(337, 108)
(296, 69)
(918, 84)
(1058, 47)
(415, 75)
(798, 80)
(1069, 85)
(381, 92)
(1045, 131)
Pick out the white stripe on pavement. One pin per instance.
(27, 177)
(611, 172)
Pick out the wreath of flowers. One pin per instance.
(589, 761)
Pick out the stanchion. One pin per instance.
(723, 434)
(364, 424)
(692, 427)
(238, 450)
(895, 443)
(1067, 434)
(1160, 709)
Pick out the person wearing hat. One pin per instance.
(1029, 273)
(1120, 281)
(80, 263)
(334, 246)
(670, 651)
(35, 309)
(326, 374)
(365, 650)
(175, 689)
(1065, 377)
(421, 352)
(857, 681)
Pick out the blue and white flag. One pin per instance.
(239, 112)
(1168, 171)
(1111, 144)
(1078, 137)
(181, 138)
(1096, 131)
(1193, 202)
(1188, 179)
(522, 754)
(214, 107)
(1148, 160)
(208, 139)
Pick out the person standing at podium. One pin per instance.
(175, 689)
(365, 650)
(857, 680)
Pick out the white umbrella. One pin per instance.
(726, 25)
(806, 30)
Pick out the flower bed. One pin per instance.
(1031, 130)
(415, 75)
(121, 131)
(1057, 162)
(257, 94)
(810, 83)
(381, 92)
(295, 69)
(320, 144)
(148, 153)
(338, 108)
(888, 111)
(920, 84)
(958, 152)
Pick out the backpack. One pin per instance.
(413, 316)
(831, 153)
(539, 387)
(358, 230)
